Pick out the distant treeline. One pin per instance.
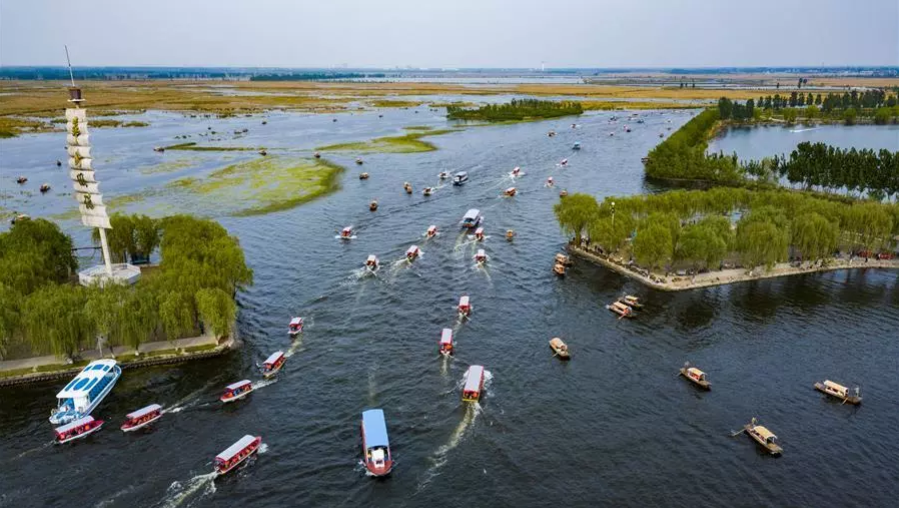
(847, 107)
(61, 73)
(868, 99)
(313, 76)
(518, 109)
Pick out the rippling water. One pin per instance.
(614, 426)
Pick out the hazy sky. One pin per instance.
(450, 33)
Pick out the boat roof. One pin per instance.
(446, 337)
(77, 423)
(375, 428)
(557, 341)
(236, 448)
(479, 230)
(86, 379)
(764, 432)
(274, 357)
(296, 320)
(473, 380)
(463, 300)
(694, 370)
(348, 228)
(412, 248)
(472, 214)
(144, 411)
(462, 173)
(835, 386)
(238, 384)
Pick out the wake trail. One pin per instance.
(178, 493)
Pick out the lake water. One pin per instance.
(765, 141)
(614, 426)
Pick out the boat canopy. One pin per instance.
(86, 379)
(463, 301)
(296, 321)
(471, 215)
(473, 381)
(447, 336)
(143, 412)
(556, 342)
(412, 250)
(461, 174)
(239, 384)
(236, 448)
(836, 387)
(765, 433)
(74, 425)
(277, 355)
(696, 373)
(374, 428)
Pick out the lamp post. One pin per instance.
(613, 214)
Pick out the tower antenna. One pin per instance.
(71, 76)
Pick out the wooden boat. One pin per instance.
(562, 259)
(346, 233)
(431, 232)
(359, 160)
(464, 307)
(375, 443)
(563, 193)
(839, 391)
(516, 172)
(511, 191)
(372, 264)
(510, 234)
(559, 348)
(631, 301)
(472, 219)
(621, 309)
(22, 179)
(77, 429)
(45, 187)
(474, 384)
(142, 417)
(427, 191)
(412, 253)
(159, 149)
(407, 187)
(317, 155)
(479, 234)
(373, 206)
(273, 364)
(446, 342)
(237, 453)
(696, 376)
(480, 257)
(363, 175)
(263, 153)
(763, 437)
(295, 327)
(576, 146)
(559, 269)
(237, 391)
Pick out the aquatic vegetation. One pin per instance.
(194, 147)
(386, 103)
(167, 166)
(409, 143)
(419, 128)
(11, 126)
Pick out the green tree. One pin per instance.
(217, 310)
(55, 321)
(849, 116)
(653, 245)
(761, 243)
(574, 213)
(814, 236)
(9, 316)
(175, 314)
(34, 253)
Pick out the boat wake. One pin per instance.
(186, 401)
(294, 347)
(111, 500)
(178, 493)
(439, 457)
(803, 130)
(32, 450)
(264, 382)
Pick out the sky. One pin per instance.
(450, 33)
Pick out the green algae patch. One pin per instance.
(409, 143)
(419, 128)
(262, 186)
(167, 167)
(386, 103)
(196, 148)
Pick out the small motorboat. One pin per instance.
(564, 162)
(363, 175)
(559, 269)
(158, 148)
(511, 191)
(474, 384)
(264, 122)
(273, 364)
(22, 179)
(627, 129)
(237, 453)
(412, 253)
(375, 443)
(295, 327)
(563, 193)
(460, 178)
(45, 187)
(372, 264)
(443, 175)
(631, 301)
(333, 119)
(696, 376)
(445, 347)
(479, 234)
(574, 126)
(346, 233)
(560, 349)
(551, 133)
(431, 232)
(58, 163)
(471, 219)
(464, 306)
(480, 257)
(77, 429)
(317, 155)
(550, 182)
(427, 191)
(359, 160)
(373, 206)
(641, 121)
(562, 259)
(407, 187)
(611, 134)
(263, 153)
(621, 309)
(661, 134)
(142, 417)
(763, 437)
(576, 146)
(516, 172)
(237, 391)
(510, 234)
(839, 391)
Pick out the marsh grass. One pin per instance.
(192, 146)
(409, 143)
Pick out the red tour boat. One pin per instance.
(481, 256)
(235, 454)
(372, 263)
(77, 429)
(479, 234)
(236, 391)
(375, 444)
(346, 233)
(295, 327)
(515, 172)
(446, 342)
(412, 253)
(432, 231)
(273, 364)
(464, 306)
(474, 384)
(142, 417)
(511, 191)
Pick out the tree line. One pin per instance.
(313, 76)
(518, 109)
(702, 228)
(45, 311)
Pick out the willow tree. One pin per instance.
(762, 243)
(176, 314)
(217, 310)
(702, 244)
(34, 253)
(54, 320)
(574, 213)
(653, 245)
(814, 236)
(10, 316)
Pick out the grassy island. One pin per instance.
(409, 143)
(523, 109)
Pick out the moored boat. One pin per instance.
(551, 133)
(480, 257)
(474, 384)
(559, 269)
(295, 327)
(562, 259)
(363, 175)
(237, 391)
(158, 149)
(317, 155)
(464, 306)
(564, 162)
(77, 429)
(21, 179)
(460, 178)
(373, 206)
(839, 391)
(431, 232)
(446, 342)
(83, 393)
(237, 453)
(412, 253)
(644, 160)
(471, 219)
(621, 309)
(372, 264)
(479, 234)
(563, 193)
(263, 153)
(142, 417)
(696, 376)
(427, 191)
(560, 349)
(763, 437)
(273, 364)
(631, 301)
(346, 233)
(375, 443)
(511, 191)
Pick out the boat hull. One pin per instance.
(235, 398)
(83, 434)
(379, 471)
(773, 449)
(272, 372)
(851, 399)
(705, 385)
(142, 425)
(255, 450)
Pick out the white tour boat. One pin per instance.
(86, 391)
